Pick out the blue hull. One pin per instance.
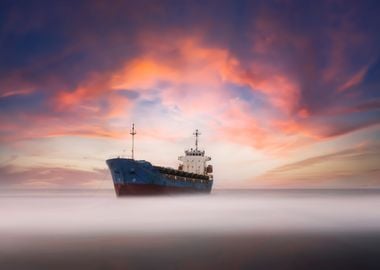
(139, 177)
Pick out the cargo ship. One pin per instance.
(140, 177)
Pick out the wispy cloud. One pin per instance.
(352, 167)
(50, 177)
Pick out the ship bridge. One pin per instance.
(194, 160)
(194, 152)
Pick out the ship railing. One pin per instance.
(119, 156)
(193, 180)
(170, 171)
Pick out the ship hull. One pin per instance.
(131, 178)
(152, 189)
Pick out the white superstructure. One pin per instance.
(195, 160)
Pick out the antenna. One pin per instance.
(196, 133)
(133, 133)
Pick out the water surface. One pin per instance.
(228, 229)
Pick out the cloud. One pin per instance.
(274, 77)
(187, 73)
(352, 167)
(52, 177)
(354, 80)
(16, 93)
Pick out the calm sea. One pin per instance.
(228, 229)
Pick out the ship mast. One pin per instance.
(133, 133)
(196, 133)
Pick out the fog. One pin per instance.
(246, 229)
(222, 212)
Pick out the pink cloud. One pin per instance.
(282, 92)
(353, 80)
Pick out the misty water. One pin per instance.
(228, 229)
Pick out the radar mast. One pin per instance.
(196, 133)
(133, 133)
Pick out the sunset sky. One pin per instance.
(285, 93)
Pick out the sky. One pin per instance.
(285, 93)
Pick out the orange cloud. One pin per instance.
(237, 123)
(291, 127)
(193, 78)
(92, 87)
(194, 81)
(185, 73)
(195, 75)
